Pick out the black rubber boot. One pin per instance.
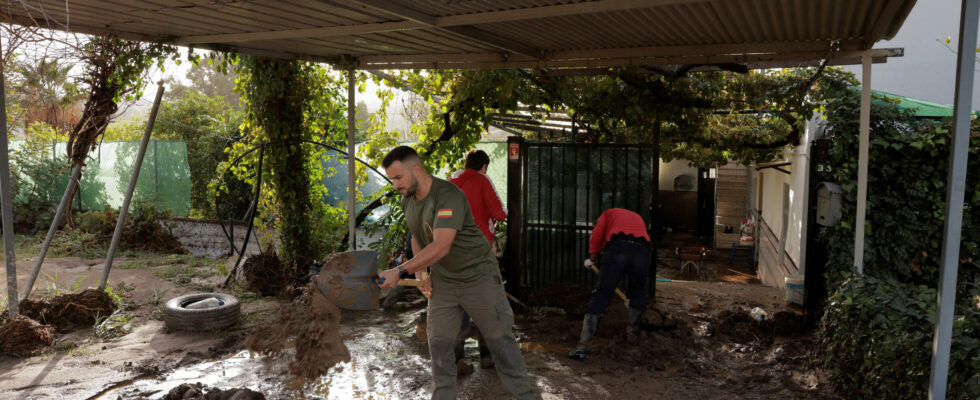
(589, 325)
(633, 328)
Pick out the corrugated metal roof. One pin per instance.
(492, 33)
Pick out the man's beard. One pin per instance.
(414, 187)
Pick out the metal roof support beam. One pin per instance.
(351, 165)
(13, 303)
(862, 185)
(955, 188)
(768, 60)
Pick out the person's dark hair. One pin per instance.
(476, 159)
(400, 153)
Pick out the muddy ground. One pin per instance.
(700, 345)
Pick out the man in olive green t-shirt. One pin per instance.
(464, 275)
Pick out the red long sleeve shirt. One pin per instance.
(483, 199)
(613, 221)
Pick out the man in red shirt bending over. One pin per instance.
(486, 207)
(622, 237)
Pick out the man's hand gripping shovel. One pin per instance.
(589, 264)
(423, 283)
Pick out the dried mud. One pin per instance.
(724, 349)
(311, 325)
(22, 336)
(69, 310)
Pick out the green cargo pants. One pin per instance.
(487, 305)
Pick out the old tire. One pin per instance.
(176, 317)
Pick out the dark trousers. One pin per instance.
(622, 257)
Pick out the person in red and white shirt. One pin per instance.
(480, 192)
(486, 207)
(621, 236)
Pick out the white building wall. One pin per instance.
(673, 169)
(780, 256)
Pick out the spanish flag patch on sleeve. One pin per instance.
(444, 213)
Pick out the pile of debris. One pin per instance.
(23, 336)
(69, 310)
(198, 391)
(33, 330)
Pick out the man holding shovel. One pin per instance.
(622, 237)
(464, 275)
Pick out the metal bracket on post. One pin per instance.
(124, 209)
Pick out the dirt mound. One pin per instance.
(198, 391)
(267, 275)
(736, 325)
(152, 239)
(312, 325)
(22, 336)
(71, 309)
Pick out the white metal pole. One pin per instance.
(124, 209)
(351, 200)
(862, 195)
(955, 188)
(7, 212)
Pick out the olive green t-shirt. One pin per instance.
(470, 258)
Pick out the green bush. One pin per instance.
(877, 332)
(98, 222)
(876, 337)
(35, 173)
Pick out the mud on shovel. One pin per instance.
(350, 280)
(591, 265)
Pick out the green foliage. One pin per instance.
(287, 103)
(98, 222)
(114, 70)
(35, 173)
(126, 131)
(892, 307)
(393, 230)
(208, 125)
(910, 163)
(876, 338)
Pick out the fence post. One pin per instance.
(515, 214)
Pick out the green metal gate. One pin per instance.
(556, 191)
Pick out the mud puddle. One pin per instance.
(387, 363)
